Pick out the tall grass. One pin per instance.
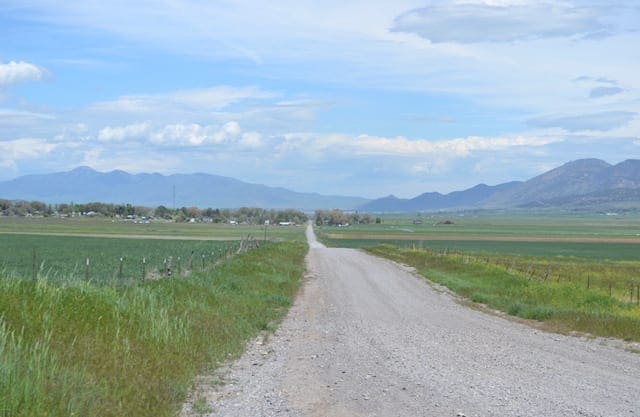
(88, 350)
(564, 305)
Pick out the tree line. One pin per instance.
(251, 215)
(337, 217)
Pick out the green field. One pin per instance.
(103, 341)
(491, 225)
(107, 226)
(64, 258)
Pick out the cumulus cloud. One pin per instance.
(601, 121)
(500, 21)
(123, 133)
(18, 72)
(182, 135)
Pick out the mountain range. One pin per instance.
(581, 184)
(84, 184)
(585, 183)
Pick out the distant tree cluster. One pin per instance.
(337, 217)
(244, 215)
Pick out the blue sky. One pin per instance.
(361, 98)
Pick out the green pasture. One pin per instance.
(496, 224)
(64, 258)
(586, 250)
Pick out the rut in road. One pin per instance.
(366, 337)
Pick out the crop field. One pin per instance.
(104, 260)
(120, 337)
(158, 229)
(593, 226)
(591, 237)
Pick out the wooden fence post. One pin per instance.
(144, 267)
(34, 273)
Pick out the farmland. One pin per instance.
(105, 226)
(104, 341)
(575, 273)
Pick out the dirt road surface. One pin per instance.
(366, 337)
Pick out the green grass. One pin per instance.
(63, 258)
(565, 304)
(586, 250)
(78, 349)
(556, 224)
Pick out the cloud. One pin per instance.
(210, 99)
(25, 148)
(602, 121)
(500, 21)
(181, 135)
(14, 72)
(401, 146)
(605, 91)
(122, 133)
(21, 117)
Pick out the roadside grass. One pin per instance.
(563, 305)
(79, 349)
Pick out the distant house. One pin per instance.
(286, 224)
(233, 222)
(417, 221)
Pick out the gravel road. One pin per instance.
(366, 337)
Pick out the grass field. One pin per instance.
(80, 349)
(514, 225)
(63, 258)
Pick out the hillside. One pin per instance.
(84, 184)
(582, 184)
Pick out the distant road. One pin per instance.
(366, 337)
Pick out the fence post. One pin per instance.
(34, 273)
(588, 281)
(120, 269)
(144, 267)
(203, 261)
(179, 267)
(609, 289)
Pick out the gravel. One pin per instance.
(367, 337)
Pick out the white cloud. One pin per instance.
(401, 146)
(210, 99)
(14, 72)
(25, 148)
(123, 133)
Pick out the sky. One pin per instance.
(365, 98)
